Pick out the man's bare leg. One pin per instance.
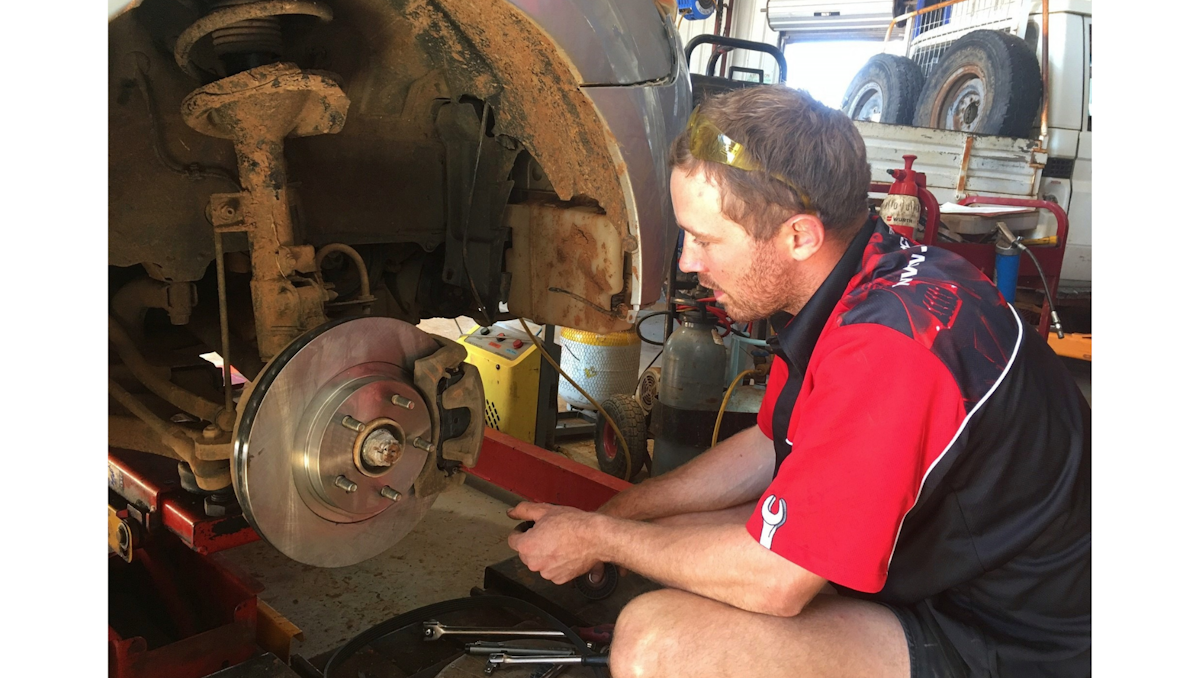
(672, 633)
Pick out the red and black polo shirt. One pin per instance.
(931, 449)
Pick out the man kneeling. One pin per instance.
(919, 447)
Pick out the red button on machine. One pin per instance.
(517, 343)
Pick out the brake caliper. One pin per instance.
(453, 391)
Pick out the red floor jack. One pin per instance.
(172, 610)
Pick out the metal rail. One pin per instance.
(908, 15)
(1045, 73)
(736, 43)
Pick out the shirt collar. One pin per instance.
(796, 336)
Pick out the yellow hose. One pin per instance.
(616, 429)
(724, 402)
(1038, 242)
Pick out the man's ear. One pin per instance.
(802, 236)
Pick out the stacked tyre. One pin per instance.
(987, 82)
(885, 90)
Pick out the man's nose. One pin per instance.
(689, 257)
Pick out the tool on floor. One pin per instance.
(503, 659)
(494, 648)
(434, 630)
(592, 635)
(413, 617)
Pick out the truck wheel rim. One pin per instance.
(867, 103)
(961, 101)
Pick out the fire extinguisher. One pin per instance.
(901, 209)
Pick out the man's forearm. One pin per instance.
(734, 472)
(722, 562)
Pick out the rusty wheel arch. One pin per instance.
(379, 180)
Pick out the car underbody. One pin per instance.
(276, 167)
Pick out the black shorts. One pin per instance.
(930, 653)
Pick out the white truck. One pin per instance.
(966, 100)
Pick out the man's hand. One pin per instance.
(560, 546)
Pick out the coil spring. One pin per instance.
(263, 35)
(241, 27)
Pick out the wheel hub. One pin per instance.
(962, 102)
(381, 448)
(610, 440)
(338, 444)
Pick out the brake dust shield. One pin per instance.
(324, 458)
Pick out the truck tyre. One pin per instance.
(987, 82)
(885, 90)
(631, 420)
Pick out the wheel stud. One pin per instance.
(346, 484)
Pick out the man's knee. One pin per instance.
(648, 635)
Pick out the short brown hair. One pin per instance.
(790, 134)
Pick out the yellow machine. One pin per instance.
(510, 367)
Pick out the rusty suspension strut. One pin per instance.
(288, 297)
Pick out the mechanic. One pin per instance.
(919, 447)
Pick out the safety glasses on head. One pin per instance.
(710, 144)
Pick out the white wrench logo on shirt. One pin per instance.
(771, 521)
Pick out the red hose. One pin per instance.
(717, 312)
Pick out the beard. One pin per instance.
(766, 286)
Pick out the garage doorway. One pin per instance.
(824, 68)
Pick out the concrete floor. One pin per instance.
(442, 558)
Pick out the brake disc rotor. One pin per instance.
(324, 457)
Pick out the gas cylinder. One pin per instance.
(1008, 263)
(689, 395)
(901, 209)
